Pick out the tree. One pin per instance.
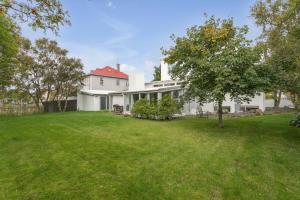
(46, 73)
(41, 14)
(8, 50)
(280, 24)
(69, 78)
(215, 60)
(157, 74)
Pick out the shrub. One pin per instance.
(296, 122)
(167, 107)
(141, 109)
(164, 109)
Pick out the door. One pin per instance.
(103, 103)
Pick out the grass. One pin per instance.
(100, 156)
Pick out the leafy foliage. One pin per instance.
(296, 122)
(165, 109)
(8, 50)
(42, 14)
(46, 73)
(213, 60)
(157, 74)
(280, 40)
(141, 109)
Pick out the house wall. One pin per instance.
(88, 102)
(136, 81)
(117, 100)
(269, 103)
(92, 82)
(164, 71)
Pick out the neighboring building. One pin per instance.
(102, 89)
(156, 89)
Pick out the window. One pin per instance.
(127, 84)
(169, 84)
(101, 81)
(175, 94)
(166, 93)
(160, 85)
(143, 96)
(135, 97)
(269, 95)
(118, 82)
(153, 98)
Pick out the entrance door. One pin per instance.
(103, 103)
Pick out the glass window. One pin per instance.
(169, 84)
(153, 97)
(118, 82)
(143, 96)
(166, 93)
(101, 81)
(176, 94)
(135, 97)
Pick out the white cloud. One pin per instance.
(128, 68)
(123, 30)
(110, 4)
(91, 56)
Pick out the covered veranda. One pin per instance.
(151, 94)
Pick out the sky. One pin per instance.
(132, 32)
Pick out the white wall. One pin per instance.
(88, 102)
(136, 81)
(269, 103)
(164, 71)
(92, 82)
(119, 100)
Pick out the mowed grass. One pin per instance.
(85, 155)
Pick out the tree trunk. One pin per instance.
(296, 101)
(59, 105)
(37, 104)
(65, 106)
(220, 114)
(277, 98)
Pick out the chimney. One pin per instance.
(164, 71)
(118, 67)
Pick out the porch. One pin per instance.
(154, 95)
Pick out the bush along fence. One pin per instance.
(296, 122)
(162, 110)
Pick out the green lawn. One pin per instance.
(101, 156)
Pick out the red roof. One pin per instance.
(109, 72)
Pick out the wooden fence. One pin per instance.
(18, 109)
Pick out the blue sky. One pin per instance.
(131, 32)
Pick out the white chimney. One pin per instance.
(136, 81)
(164, 71)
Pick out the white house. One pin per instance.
(107, 86)
(102, 89)
(156, 89)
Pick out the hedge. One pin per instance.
(163, 110)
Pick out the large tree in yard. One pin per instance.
(38, 14)
(8, 50)
(215, 60)
(45, 72)
(280, 37)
